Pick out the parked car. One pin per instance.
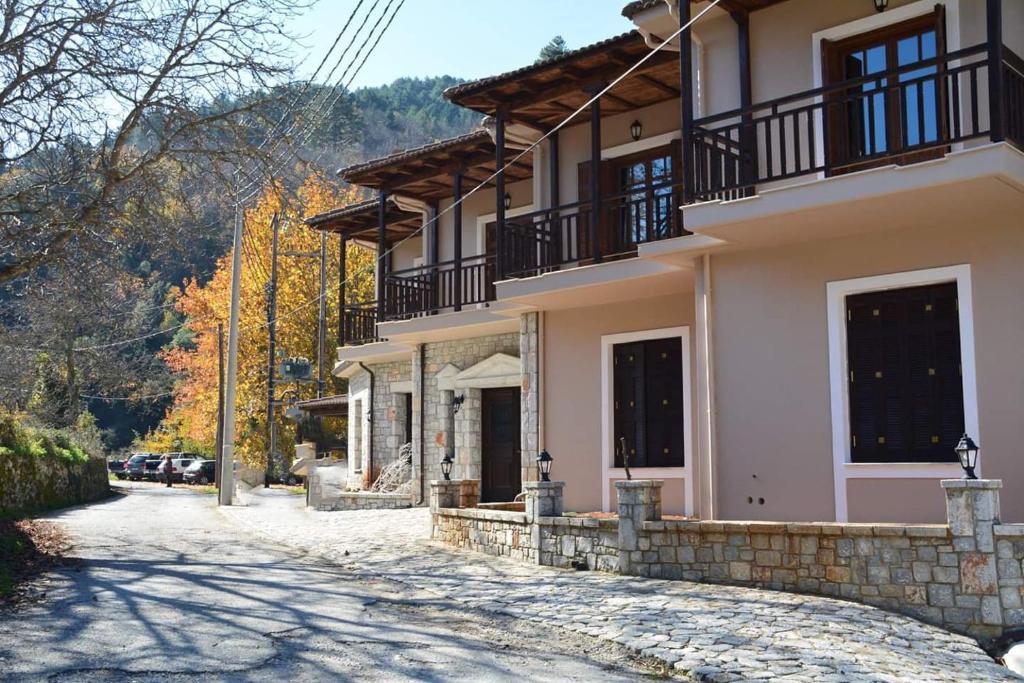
(152, 467)
(117, 468)
(201, 472)
(135, 466)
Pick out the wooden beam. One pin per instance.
(605, 73)
(655, 83)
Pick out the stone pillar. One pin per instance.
(639, 502)
(469, 493)
(543, 499)
(529, 407)
(444, 494)
(972, 510)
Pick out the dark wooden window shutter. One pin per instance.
(649, 419)
(905, 385)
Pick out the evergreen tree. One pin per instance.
(556, 47)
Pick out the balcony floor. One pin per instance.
(959, 188)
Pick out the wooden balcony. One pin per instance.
(566, 236)
(903, 116)
(449, 285)
(358, 324)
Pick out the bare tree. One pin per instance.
(110, 108)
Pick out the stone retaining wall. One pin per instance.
(31, 483)
(361, 500)
(967, 576)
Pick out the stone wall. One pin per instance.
(967, 576)
(30, 483)
(529, 409)
(363, 500)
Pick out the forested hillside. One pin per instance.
(142, 282)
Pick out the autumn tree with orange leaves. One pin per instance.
(193, 415)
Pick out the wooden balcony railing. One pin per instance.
(901, 116)
(547, 240)
(358, 324)
(427, 290)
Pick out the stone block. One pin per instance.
(945, 574)
(978, 574)
(940, 595)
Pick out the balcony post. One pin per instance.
(595, 177)
(499, 195)
(747, 144)
(342, 276)
(686, 102)
(433, 258)
(382, 260)
(457, 237)
(994, 21)
(555, 221)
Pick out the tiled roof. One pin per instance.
(464, 88)
(370, 205)
(478, 135)
(634, 8)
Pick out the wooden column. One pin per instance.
(595, 178)
(342, 276)
(555, 222)
(686, 102)
(457, 237)
(994, 21)
(382, 259)
(747, 137)
(499, 195)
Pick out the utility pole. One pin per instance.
(321, 339)
(227, 484)
(220, 405)
(272, 332)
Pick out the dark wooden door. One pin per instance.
(501, 478)
(880, 121)
(648, 412)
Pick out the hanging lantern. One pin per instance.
(636, 130)
(967, 451)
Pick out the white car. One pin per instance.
(178, 465)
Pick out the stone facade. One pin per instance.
(29, 482)
(463, 433)
(967, 576)
(388, 416)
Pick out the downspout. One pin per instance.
(540, 381)
(709, 380)
(369, 417)
(423, 376)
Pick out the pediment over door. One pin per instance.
(499, 370)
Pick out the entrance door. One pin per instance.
(501, 478)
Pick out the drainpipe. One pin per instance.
(423, 374)
(708, 422)
(369, 417)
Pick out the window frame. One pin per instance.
(673, 476)
(836, 293)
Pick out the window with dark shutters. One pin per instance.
(648, 403)
(905, 386)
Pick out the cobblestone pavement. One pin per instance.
(712, 633)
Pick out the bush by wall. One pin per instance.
(43, 469)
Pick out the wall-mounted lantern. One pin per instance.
(508, 201)
(544, 464)
(457, 402)
(446, 466)
(636, 130)
(881, 5)
(967, 451)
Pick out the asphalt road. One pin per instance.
(165, 590)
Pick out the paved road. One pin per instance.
(166, 590)
(719, 634)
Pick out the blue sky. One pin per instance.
(465, 38)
